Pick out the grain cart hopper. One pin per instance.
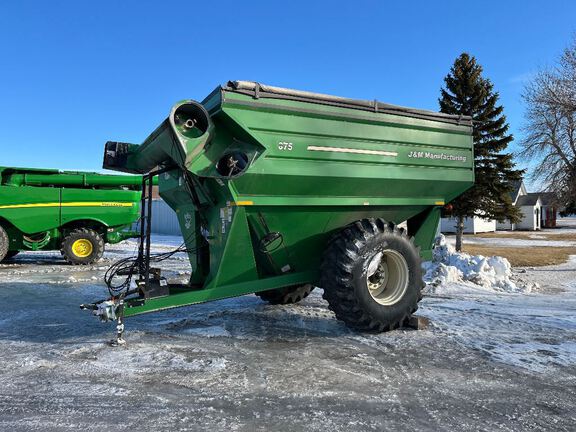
(76, 212)
(278, 191)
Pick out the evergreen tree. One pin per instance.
(466, 92)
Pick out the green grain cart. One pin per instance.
(279, 191)
(76, 212)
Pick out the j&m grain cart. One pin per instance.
(76, 212)
(279, 191)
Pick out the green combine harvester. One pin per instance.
(279, 191)
(76, 212)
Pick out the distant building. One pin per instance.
(518, 190)
(473, 225)
(538, 211)
(531, 206)
(164, 219)
(549, 210)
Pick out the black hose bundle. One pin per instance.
(129, 266)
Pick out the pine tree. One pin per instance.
(467, 92)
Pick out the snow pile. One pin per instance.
(490, 273)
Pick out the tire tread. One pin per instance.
(337, 279)
(93, 236)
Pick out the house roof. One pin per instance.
(547, 198)
(516, 186)
(528, 200)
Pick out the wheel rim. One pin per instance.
(387, 277)
(82, 248)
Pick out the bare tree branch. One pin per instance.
(549, 133)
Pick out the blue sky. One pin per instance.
(76, 74)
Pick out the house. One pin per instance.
(549, 210)
(538, 211)
(473, 225)
(517, 191)
(530, 205)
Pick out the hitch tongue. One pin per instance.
(105, 310)
(110, 310)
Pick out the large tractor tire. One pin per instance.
(82, 246)
(286, 295)
(4, 244)
(371, 276)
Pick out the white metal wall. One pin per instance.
(505, 226)
(471, 225)
(530, 217)
(484, 225)
(164, 220)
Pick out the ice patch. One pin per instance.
(535, 355)
(451, 267)
(211, 331)
(140, 358)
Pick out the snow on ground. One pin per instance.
(511, 242)
(449, 267)
(479, 287)
(494, 358)
(537, 238)
(527, 330)
(504, 240)
(49, 267)
(518, 332)
(161, 241)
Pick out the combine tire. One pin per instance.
(286, 295)
(4, 242)
(82, 246)
(371, 276)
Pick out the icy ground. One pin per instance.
(492, 359)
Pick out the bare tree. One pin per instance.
(549, 133)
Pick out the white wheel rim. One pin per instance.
(387, 277)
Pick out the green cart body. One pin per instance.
(262, 178)
(40, 207)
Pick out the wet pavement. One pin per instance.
(488, 362)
